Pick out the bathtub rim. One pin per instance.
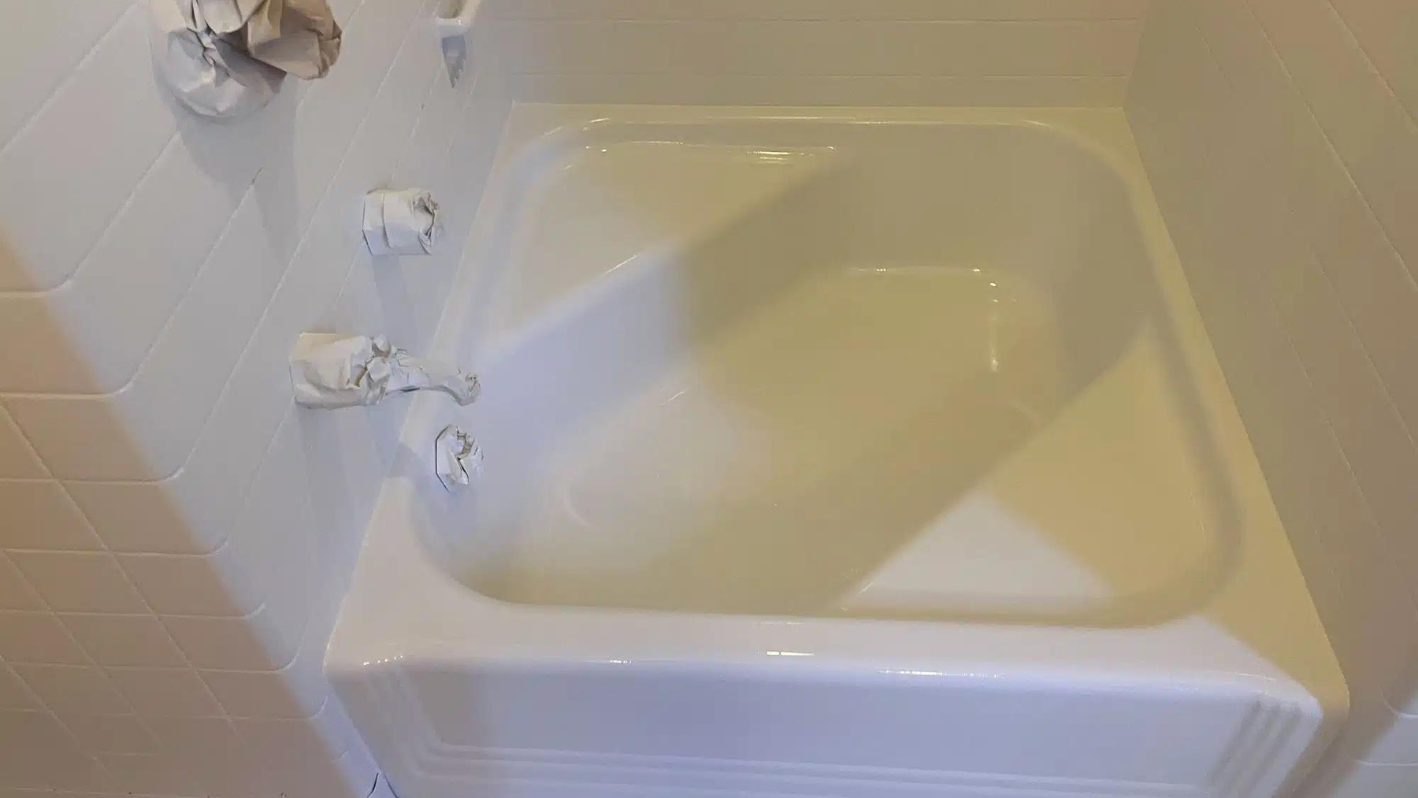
(404, 607)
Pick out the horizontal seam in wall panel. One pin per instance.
(324, 704)
(49, 612)
(151, 555)
(179, 616)
(820, 76)
(654, 21)
(828, 20)
(1405, 765)
(46, 792)
(149, 614)
(96, 550)
(244, 671)
(146, 668)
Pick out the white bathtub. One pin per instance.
(860, 454)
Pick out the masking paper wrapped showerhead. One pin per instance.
(227, 58)
(299, 37)
(208, 74)
(401, 222)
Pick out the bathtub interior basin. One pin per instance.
(836, 369)
(831, 453)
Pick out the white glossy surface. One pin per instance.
(1276, 134)
(461, 23)
(751, 373)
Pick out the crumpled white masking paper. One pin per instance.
(227, 58)
(401, 222)
(457, 457)
(333, 371)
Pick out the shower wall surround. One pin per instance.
(176, 535)
(1280, 138)
(821, 52)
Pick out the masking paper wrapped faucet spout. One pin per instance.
(334, 371)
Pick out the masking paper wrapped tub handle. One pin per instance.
(401, 222)
(227, 58)
(334, 371)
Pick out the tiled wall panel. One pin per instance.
(1281, 140)
(821, 52)
(174, 535)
